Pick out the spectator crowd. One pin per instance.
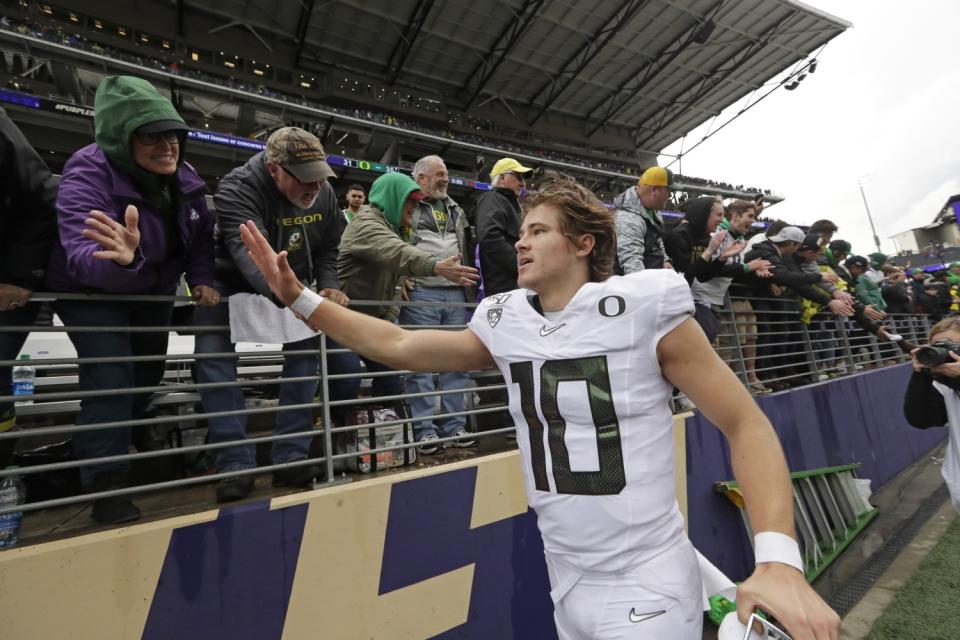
(130, 217)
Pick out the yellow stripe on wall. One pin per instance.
(97, 587)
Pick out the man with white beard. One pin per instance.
(439, 226)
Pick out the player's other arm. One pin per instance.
(426, 350)
(688, 361)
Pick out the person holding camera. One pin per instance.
(933, 394)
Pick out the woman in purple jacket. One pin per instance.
(132, 218)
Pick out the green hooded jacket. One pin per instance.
(869, 293)
(123, 104)
(374, 260)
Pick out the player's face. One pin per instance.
(544, 253)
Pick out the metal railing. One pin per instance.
(766, 340)
(781, 352)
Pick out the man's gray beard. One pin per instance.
(439, 194)
(299, 203)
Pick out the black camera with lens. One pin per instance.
(937, 353)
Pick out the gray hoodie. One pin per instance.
(639, 234)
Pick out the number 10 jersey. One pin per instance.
(593, 422)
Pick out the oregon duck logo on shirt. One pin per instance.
(295, 242)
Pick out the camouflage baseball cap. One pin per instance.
(300, 153)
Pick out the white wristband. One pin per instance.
(307, 303)
(770, 546)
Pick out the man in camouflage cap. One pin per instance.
(284, 191)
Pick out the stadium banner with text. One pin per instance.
(447, 552)
(222, 139)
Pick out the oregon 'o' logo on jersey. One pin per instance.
(612, 306)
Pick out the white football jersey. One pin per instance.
(593, 422)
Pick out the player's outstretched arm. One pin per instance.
(426, 350)
(690, 363)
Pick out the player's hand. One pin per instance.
(205, 296)
(783, 592)
(776, 289)
(275, 268)
(451, 269)
(335, 295)
(13, 297)
(119, 241)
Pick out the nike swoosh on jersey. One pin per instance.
(544, 332)
(640, 617)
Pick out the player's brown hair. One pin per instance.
(581, 212)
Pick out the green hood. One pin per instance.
(389, 192)
(122, 104)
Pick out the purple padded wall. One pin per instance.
(854, 419)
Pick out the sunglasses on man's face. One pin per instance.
(153, 139)
(515, 175)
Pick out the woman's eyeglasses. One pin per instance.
(153, 139)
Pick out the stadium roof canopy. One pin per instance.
(657, 67)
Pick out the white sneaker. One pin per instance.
(463, 439)
(428, 444)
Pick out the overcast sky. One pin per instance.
(884, 103)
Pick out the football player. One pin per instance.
(590, 360)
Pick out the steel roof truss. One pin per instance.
(504, 43)
(574, 66)
(650, 71)
(718, 76)
(306, 10)
(408, 38)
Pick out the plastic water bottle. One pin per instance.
(23, 377)
(12, 493)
